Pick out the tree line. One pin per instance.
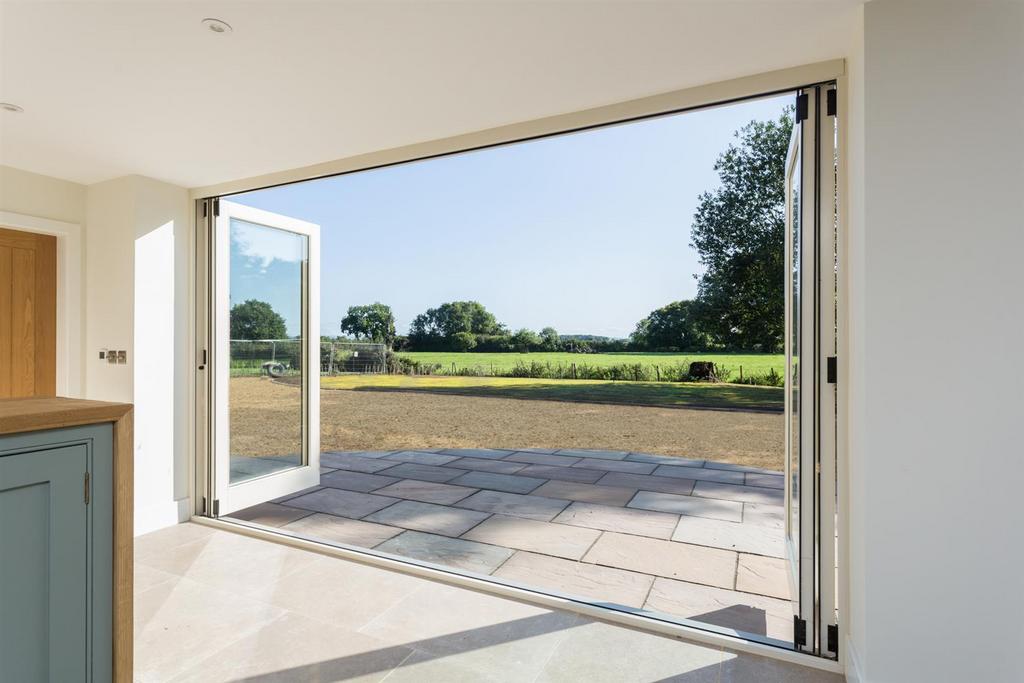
(738, 232)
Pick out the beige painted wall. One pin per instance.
(41, 196)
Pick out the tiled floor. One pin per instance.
(686, 538)
(215, 606)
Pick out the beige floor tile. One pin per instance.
(243, 565)
(338, 591)
(160, 541)
(590, 493)
(332, 529)
(672, 560)
(763, 575)
(181, 622)
(688, 505)
(473, 631)
(602, 653)
(560, 540)
(624, 520)
(270, 514)
(449, 552)
(748, 538)
(590, 581)
(740, 667)
(427, 491)
(145, 577)
(764, 515)
(295, 648)
(753, 614)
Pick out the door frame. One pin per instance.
(70, 294)
(697, 97)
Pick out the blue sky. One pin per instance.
(586, 232)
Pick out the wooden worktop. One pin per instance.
(34, 414)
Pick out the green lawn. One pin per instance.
(751, 362)
(663, 394)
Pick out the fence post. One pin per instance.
(657, 370)
(273, 352)
(574, 371)
(741, 374)
(330, 360)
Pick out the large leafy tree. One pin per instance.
(254, 319)
(675, 327)
(739, 230)
(449, 319)
(374, 322)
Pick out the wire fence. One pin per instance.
(284, 358)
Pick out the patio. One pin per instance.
(686, 538)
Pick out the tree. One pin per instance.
(739, 230)
(255, 319)
(679, 326)
(374, 322)
(549, 339)
(525, 339)
(464, 341)
(438, 326)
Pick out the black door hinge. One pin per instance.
(216, 508)
(204, 209)
(831, 369)
(830, 102)
(216, 206)
(799, 632)
(801, 107)
(833, 639)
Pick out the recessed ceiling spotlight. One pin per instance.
(13, 108)
(217, 26)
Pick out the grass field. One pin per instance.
(750, 362)
(656, 394)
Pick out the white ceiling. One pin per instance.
(117, 88)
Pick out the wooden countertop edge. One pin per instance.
(32, 414)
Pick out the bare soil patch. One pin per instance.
(263, 415)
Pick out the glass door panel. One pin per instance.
(266, 351)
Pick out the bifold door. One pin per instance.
(810, 394)
(263, 358)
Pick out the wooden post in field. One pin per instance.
(741, 374)
(453, 367)
(657, 370)
(574, 371)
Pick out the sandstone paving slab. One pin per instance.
(486, 453)
(342, 503)
(543, 459)
(763, 575)
(270, 514)
(591, 493)
(700, 474)
(410, 470)
(485, 465)
(590, 581)
(709, 566)
(715, 465)
(589, 453)
(427, 491)
(514, 504)
(421, 458)
(749, 538)
(362, 454)
(647, 482)
(616, 466)
(754, 614)
(764, 515)
(438, 519)
(333, 529)
(356, 463)
(773, 481)
(509, 483)
(450, 552)
(744, 494)
(664, 459)
(355, 481)
(623, 520)
(559, 540)
(688, 505)
(562, 473)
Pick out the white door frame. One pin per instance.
(70, 294)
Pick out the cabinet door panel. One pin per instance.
(44, 565)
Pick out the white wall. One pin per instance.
(137, 291)
(937, 459)
(32, 194)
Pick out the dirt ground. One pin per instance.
(264, 421)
